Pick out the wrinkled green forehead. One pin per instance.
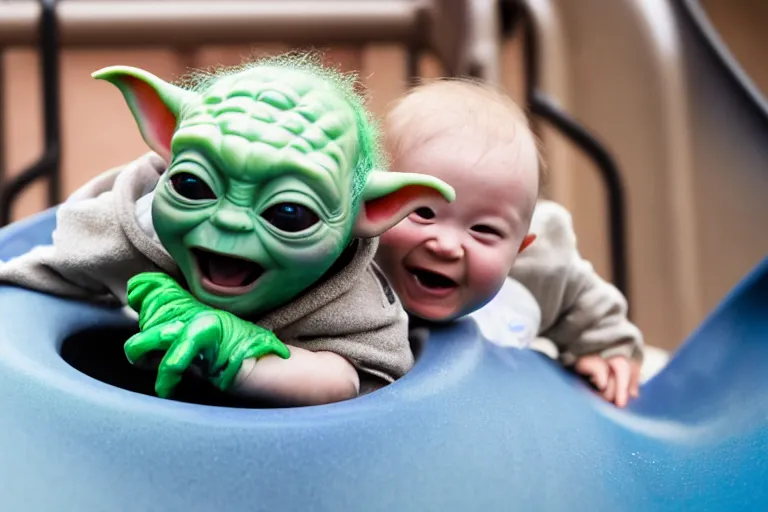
(293, 84)
(299, 115)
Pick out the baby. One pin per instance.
(450, 260)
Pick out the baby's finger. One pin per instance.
(620, 371)
(634, 380)
(594, 368)
(610, 389)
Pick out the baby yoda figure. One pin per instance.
(247, 237)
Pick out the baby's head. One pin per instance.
(447, 260)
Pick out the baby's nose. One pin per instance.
(446, 247)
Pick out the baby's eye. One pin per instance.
(425, 213)
(290, 217)
(486, 230)
(191, 187)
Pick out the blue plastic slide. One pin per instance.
(472, 427)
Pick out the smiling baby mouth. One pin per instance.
(432, 281)
(226, 275)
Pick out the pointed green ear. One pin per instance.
(389, 197)
(154, 103)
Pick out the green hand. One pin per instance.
(172, 320)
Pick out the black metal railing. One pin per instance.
(49, 164)
(515, 15)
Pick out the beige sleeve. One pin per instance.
(90, 257)
(581, 312)
(367, 325)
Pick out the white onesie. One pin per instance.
(512, 318)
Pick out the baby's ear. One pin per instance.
(389, 197)
(154, 103)
(528, 240)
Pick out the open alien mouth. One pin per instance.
(226, 275)
(432, 280)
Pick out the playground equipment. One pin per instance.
(471, 427)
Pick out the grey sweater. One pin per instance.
(581, 313)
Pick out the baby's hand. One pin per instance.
(616, 378)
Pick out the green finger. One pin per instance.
(200, 335)
(156, 338)
(139, 287)
(155, 312)
(224, 380)
(263, 344)
(267, 343)
(234, 362)
(166, 383)
(281, 350)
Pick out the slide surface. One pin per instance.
(472, 427)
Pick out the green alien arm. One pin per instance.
(173, 321)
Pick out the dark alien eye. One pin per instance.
(425, 213)
(290, 217)
(191, 187)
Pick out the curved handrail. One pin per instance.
(706, 31)
(49, 164)
(543, 106)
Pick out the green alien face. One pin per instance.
(265, 187)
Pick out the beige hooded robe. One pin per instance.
(104, 236)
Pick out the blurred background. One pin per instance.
(635, 74)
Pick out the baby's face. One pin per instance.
(447, 260)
